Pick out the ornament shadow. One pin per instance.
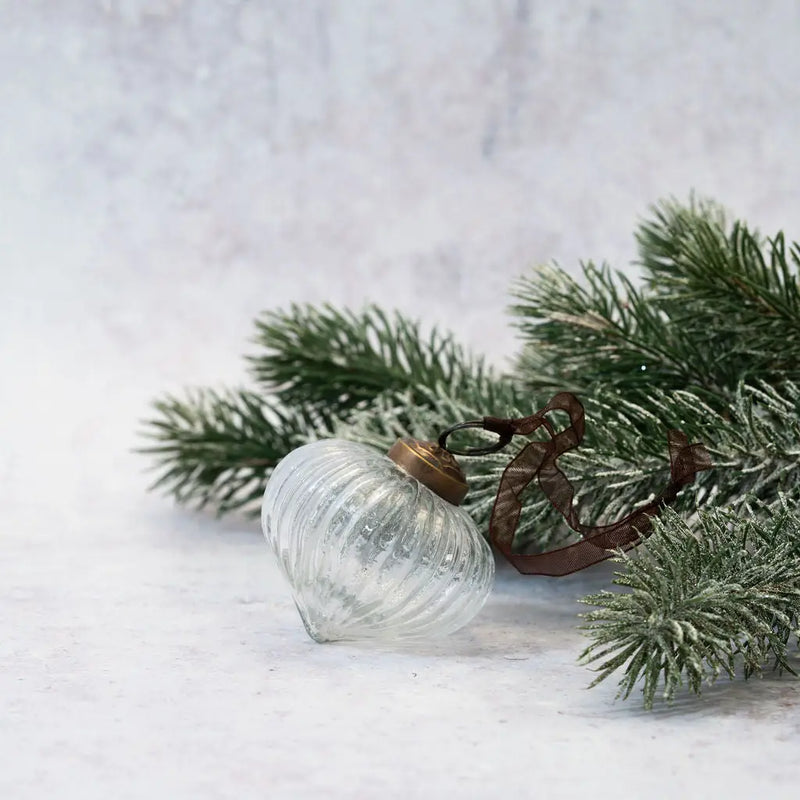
(525, 616)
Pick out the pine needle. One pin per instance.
(217, 448)
(697, 600)
(335, 359)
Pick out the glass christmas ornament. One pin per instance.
(374, 546)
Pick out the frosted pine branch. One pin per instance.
(699, 601)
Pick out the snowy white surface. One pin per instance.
(169, 169)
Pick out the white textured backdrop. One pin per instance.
(168, 169)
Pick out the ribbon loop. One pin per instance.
(538, 461)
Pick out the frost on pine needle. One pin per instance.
(698, 601)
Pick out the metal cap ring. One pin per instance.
(504, 439)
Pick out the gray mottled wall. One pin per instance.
(170, 168)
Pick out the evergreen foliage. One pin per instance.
(214, 448)
(335, 360)
(707, 341)
(715, 302)
(698, 601)
(314, 366)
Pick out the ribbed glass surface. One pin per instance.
(369, 551)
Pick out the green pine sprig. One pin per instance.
(717, 305)
(698, 601)
(337, 359)
(215, 449)
(314, 367)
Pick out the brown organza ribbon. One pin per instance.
(537, 460)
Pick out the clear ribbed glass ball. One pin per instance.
(369, 551)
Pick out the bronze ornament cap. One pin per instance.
(432, 466)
